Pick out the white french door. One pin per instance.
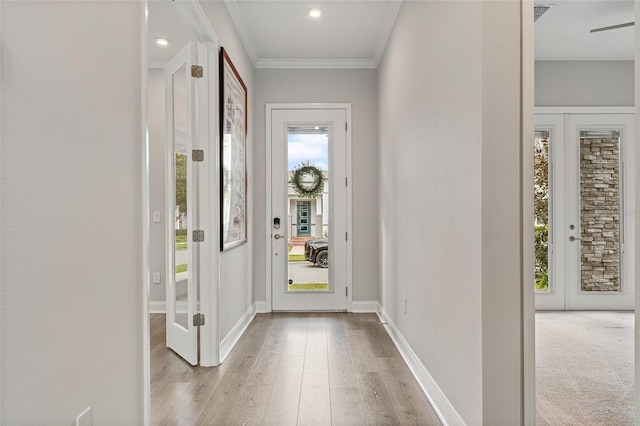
(186, 198)
(589, 219)
(308, 225)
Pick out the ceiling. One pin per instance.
(348, 34)
(562, 33)
(353, 33)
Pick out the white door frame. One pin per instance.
(268, 142)
(198, 23)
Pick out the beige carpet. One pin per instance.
(584, 368)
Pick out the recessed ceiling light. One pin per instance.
(314, 12)
(162, 41)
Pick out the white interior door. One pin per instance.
(310, 209)
(589, 242)
(182, 283)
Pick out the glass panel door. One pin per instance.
(308, 235)
(181, 281)
(599, 262)
(549, 190)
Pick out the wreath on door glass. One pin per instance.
(307, 180)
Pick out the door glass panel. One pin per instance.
(181, 258)
(308, 208)
(542, 198)
(600, 206)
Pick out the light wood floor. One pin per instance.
(288, 369)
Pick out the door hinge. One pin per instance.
(198, 320)
(346, 126)
(346, 236)
(346, 181)
(197, 71)
(347, 291)
(198, 236)
(197, 155)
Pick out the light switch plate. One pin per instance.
(156, 217)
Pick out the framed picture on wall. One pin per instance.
(233, 169)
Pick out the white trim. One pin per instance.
(637, 218)
(637, 195)
(586, 110)
(157, 307)
(349, 206)
(316, 63)
(364, 306)
(261, 307)
(385, 29)
(439, 401)
(209, 211)
(241, 28)
(267, 217)
(230, 340)
(145, 262)
(527, 321)
(308, 106)
(197, 21)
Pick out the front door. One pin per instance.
(584, 233)
(308, 168)
(303, 226)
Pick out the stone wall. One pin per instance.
(600, 214)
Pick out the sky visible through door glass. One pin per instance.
(311, 147)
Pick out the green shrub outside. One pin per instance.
(542, 257)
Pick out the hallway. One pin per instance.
(291, 368)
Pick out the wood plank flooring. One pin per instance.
(291, 369)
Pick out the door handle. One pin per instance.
(277, 236)
(572, 238)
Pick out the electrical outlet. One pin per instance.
(156, 277)
(404, 299)
(156, 217)
(84, 418)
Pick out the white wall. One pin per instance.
(236, 265)
(157, 130)
(71, 212)
(357, 87)
(449, 175)
(430, 200)
(584, 83)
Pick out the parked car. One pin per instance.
(317, 252)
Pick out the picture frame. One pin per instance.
(233, 168)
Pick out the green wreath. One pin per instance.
(307, 190)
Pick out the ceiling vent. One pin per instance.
(538, 11)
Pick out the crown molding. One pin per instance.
(386, 28)
(241, 28)
(316, 63)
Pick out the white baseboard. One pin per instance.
(261, 307)
(364, 306)
(158, 307)
(441, 404)
(236, 332)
